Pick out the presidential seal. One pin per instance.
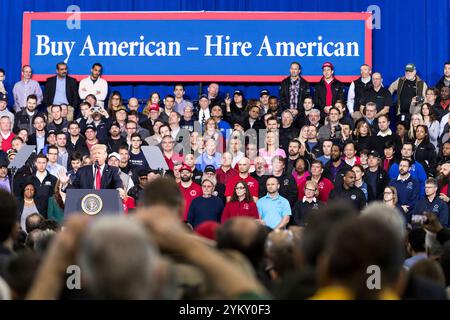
(91, 204)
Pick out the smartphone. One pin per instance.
(418, 219)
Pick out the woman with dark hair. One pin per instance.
(362, 135)
(236, 107)
(402, 131)
(241, 203)
(29, 203)
(155, 98)
(56, 203)
(301, 170)
(114, 102)
(425, 152)
(429, 119)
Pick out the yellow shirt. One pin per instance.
(342, 293)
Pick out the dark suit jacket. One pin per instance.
(84, 178)
(71, 91)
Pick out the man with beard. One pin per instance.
(287, 129)
(409, 88)
(24, 118)
(115, 140)
(407, 186)
(75, 141)
(444, 183)
(349, 192)
(417, 170)
(293, 155)
(336, 167)
(293, 90)
(274, 109)
(188, 188)
(444, 156)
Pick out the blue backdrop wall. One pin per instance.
(410, 31)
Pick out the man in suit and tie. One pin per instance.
(61, 89)
(96, 176)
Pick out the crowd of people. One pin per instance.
(255, 192)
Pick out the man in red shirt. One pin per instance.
(6, 133)
(328, 90)
(244, 175)
(226, 172)
(188, 188)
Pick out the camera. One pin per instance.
(95, 109)
(420, 99)
(418, 219)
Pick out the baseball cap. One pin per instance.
(410, 67)
(207, 229)
(328, 64)
(203, 96)
(185, 167)
(374, 153)
(210, 168)
(238, 92)
(3, 97)
(142, 172)
(114, 154)
(154, 107)
(115, 124)
(264, 93)
(51, 132)
(90, 126)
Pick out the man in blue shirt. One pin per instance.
(417, 170)
(273, 209)
(407, 186)
(432, 203)
(209, 157)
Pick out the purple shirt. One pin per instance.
(4, 184)
(22, 90)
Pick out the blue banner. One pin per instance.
(202, 46)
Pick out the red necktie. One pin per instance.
(98, 179)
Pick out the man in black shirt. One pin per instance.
(377, 94)
(375, 177)
(115, 140)
(347, 191)
(288, 186)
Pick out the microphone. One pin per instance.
(97, 165)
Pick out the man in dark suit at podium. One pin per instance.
(98, 175)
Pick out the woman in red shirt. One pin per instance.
(241, 203)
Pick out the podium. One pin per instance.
(93, 202)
